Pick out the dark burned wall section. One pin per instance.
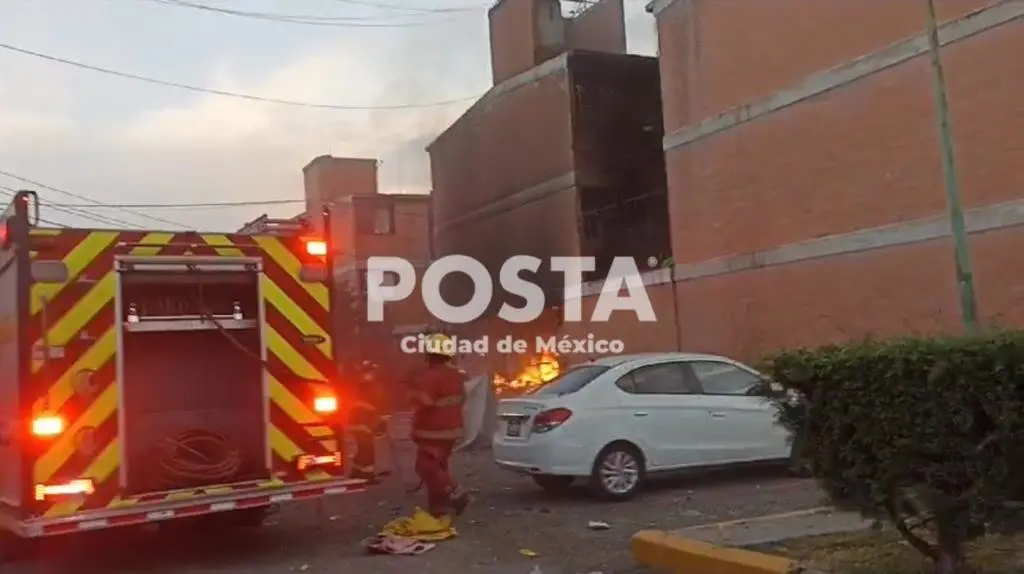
(620, 165)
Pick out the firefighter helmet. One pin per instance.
(439, 344)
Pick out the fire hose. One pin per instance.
(391, 440)
(197, 457)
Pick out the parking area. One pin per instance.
(510, 514)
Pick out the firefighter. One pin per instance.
(364, 422)
(438, 394)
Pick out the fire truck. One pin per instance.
(150, 376)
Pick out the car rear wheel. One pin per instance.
(553, 483)
(618, 472)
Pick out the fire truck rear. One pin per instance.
(151, 376)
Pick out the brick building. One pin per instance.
(805, 182)
(366, 223)
(562, 156)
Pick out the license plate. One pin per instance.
(515, 428)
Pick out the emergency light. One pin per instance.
(316, 248)
(325, 405)
(45, 426)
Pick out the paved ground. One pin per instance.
(510, 514)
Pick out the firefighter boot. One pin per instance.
(459, 500)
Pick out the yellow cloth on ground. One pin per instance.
(421, 526)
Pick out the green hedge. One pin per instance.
(926, 432)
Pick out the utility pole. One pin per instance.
(961, 249)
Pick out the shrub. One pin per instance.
(925, 432)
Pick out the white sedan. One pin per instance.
(617, 419)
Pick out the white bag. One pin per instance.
(478, 413)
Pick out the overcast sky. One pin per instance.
(123, 141)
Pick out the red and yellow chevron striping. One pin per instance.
(75, 320)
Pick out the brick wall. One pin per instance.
(410, 240)
(751, 188)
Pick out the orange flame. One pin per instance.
(537, 371)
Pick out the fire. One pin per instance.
(537, 371)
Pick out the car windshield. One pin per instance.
(570, 381)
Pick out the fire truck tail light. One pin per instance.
(325, 405)
(317, 248)
(47, 426)
(307, 461)
(71, 488)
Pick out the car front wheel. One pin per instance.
(618, 472)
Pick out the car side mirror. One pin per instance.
(766, 388)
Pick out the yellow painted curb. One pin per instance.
(666, 552)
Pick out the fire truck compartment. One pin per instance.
(193, 397)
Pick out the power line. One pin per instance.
(53, 223)
(91, 200)
(303, 19)
(10, 192)
(209, 205)
(78, 213)
(225, 93)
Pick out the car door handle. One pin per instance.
(639, 414)
(717, 415)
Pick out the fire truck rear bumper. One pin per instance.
(148, 512)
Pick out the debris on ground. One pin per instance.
(412, 535)
(528, 553)
(598, 525)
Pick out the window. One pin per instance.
(375, 218)
(570, 382)
(383, 221)
(719, 378)
(663, 379)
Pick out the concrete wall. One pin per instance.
(527, 33)
(502, 175)
(805, 185)
(517, 137)
(329, 179)
(601, 28)
(524, 33)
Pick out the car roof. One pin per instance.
(616, 360)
